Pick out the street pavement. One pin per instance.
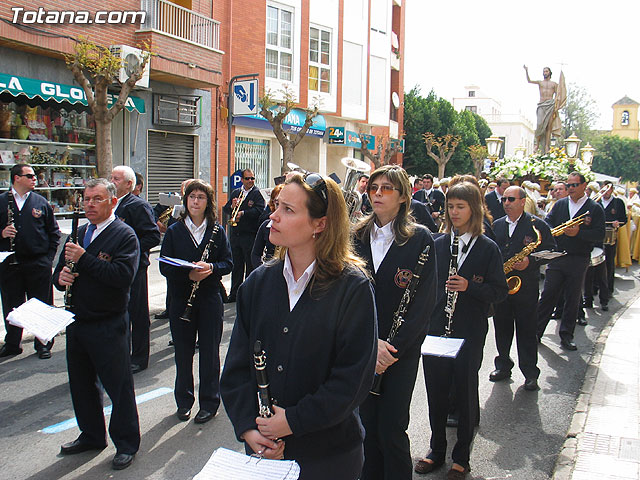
(587, 402)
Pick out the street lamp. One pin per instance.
(587, 154)
(493, 148)
(520, 152)
(571, 146)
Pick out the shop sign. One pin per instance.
(292, 123)
(336, 135)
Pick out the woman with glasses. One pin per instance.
(187, 239)
(391, 243)
(316, 325)
(470, 264)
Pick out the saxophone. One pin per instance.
(165, 216)
(514, 281)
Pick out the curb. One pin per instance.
(566, 460)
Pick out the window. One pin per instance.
(279, 55)
(472, 93)
(180, 110)
(320, 60)
(471, 108)
(625, 118)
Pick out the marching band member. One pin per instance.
(493, 198)
(317, 324)
(623, 251)
(187, 239)
(391, 243)
(615, 216)
(479, 281)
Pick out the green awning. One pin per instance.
(59, 92)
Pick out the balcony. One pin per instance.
(181, 23)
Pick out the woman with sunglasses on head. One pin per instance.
(470, 264)
(391, 244)
(187, 239)
(316, 324)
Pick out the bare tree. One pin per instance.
(477, 153)
(95, 69)
(445, 145)
(288, 141)
(386, 149)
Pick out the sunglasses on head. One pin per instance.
(574, 185)
(249, 178)
(509, 199)
(318, 185)
(30, 176)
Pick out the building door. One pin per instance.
(253, 153)
(170, 161)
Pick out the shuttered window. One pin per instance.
(171, 160)
(253, 153)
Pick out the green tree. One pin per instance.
(579, 114)
(618, 157)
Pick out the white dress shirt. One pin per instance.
(606, 201)
(295, 288)
(101, 226)
(574, 207)
(196, 232)
(19, 199)
(463, 249)
(512, 225)
(381, 240)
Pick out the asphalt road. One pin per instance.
(519, 437)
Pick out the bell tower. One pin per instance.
(625, 118)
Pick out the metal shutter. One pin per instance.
(171, 160)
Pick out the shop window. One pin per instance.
(279, 51)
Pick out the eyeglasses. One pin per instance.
(249, 178)
(30, 176)
(509, 199)
(318, 185)
(574, 185)
(199, 198)
(94, 201)
(384, 189)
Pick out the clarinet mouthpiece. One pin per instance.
(257, 347)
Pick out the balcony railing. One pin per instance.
(180, 22)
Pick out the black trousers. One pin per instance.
(344, 466)
(139, 318)
(98, 353)
(206, 324)
(241, 247)
(519, 311)
(596, 277)
(440, 373)
(386, 418)
(568, 272)
(610, 260)
(17, 284)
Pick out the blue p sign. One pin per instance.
(236, 179)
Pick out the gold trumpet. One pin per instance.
(602, 191)
(559, 230)
(234, 213)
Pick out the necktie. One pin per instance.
(88, 234)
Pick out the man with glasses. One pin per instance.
(138, 214)
(244, 213)
(493, 198)
(514, 232)
(106, 258)
(34, 234)
(569, 270)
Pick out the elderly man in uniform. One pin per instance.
(97, 341)
(35, 235)
(138, 214)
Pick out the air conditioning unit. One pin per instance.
(131, 58)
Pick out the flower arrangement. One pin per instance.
(554, 165)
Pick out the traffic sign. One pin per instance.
(245, 97)
(236, 179)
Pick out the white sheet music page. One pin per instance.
(5, 255)
(40, 319)
(226, 464)
(441, 346)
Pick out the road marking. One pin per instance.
(71, 423)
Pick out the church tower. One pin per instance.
(625, 118)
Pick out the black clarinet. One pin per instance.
(12, 240)
(265, 402)
(208, 252)
(73, 238)
(398, 316)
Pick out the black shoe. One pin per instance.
(44, 353)
(183, 414)
(581, 321)
(8, 351)
(531, 384)
(605, 307)
(121, 461)
(498, 375)
(135, 368)
(452, 420)
(77, 446)
(162, 315)
(171, 344)
(204, 416)
(568, 345)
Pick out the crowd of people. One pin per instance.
(340, 307)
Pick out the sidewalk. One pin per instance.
(603, 440)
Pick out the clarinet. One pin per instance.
(210, 247)
(73, 238)
(398, 316)
(12, 240)
(452, 297)
(265, 402)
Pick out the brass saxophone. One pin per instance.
(165, 216)
(452, 297)
(514, 282)
(210, 247)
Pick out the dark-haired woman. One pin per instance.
(479, 281)
(316, 323)
(187, 239)
(391, 243)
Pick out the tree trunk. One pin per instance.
(287, 156)
(441, 170)
(104, 153)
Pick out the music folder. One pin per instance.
(226, 464)
(441, 346)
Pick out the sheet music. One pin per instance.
(42, 320)
(441, 346)
(547, 255)
(5, 255)
(176, 262)
(226, 464)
